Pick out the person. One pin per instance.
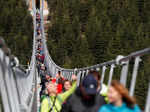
(59, 88)
(38, 38)
(60, 80)
(85, 98)
(44, 93)
(119, 100)
(38, 65)
(48, 78)
(102, 88)
(38, 32)
(54, 102)
(43, 69)
(44, 79)
(42, 57)
(38, 25)
(67, 85)
(38, 18)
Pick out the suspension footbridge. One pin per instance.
(19, 87)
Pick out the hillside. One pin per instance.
(86, 32)
(16, 28)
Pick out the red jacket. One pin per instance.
(59, 88)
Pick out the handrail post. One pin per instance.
(103, 74)
(147, 106)
(124, 73)
(134, 75)
(111, 74)
(83, 74)
(87, 71)
(78, 78)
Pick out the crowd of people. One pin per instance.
(62, 95)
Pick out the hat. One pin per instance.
(89, 83)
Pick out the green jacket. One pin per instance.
(104, 91)
(48, 102)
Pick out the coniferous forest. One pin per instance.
(16, 28)
(102, 28)
(86, 32)
(83, 32)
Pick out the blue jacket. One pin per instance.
(123, 108)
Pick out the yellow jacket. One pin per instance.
(48, 102)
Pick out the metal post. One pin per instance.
(66, 75)
(147, 106)
(103, 74)
(111, 74)
(69, 75)
(134, 75)
(78, 78)
(83, 74)
(124, 73)
(87, 71)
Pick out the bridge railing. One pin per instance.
(17, 86)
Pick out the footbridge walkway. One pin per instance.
(19, 86)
